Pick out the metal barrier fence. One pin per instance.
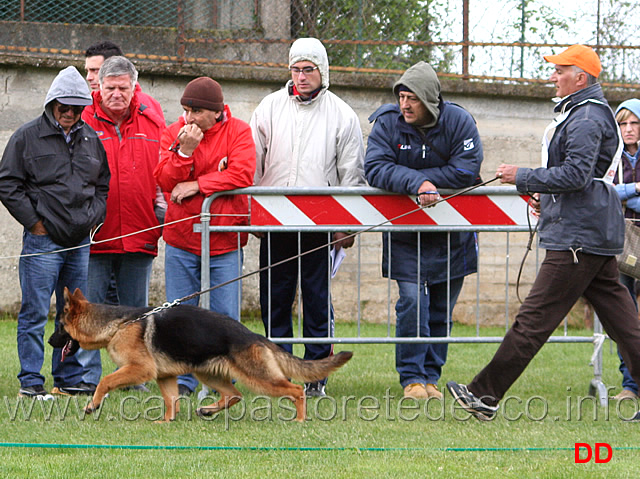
(370, 210)
(504, 40)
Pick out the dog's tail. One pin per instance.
(307, 370)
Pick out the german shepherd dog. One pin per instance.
(185, 339)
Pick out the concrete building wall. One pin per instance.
(510, 123)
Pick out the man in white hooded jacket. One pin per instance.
(305, 136)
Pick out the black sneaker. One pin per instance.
(184, 390)
(75, 390)
(141, 388)
(314, 390)
(635, 418)
(470, 402)
(35, 392)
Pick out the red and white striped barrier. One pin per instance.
(371, 210)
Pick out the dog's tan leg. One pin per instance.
(128, 375)
(295, 392)
(229, 395)
(283, 388)
(169, 389)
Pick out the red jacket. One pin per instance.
(132, 151)
(228, 139)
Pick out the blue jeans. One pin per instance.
(420, 362)
(182, 278)
(132, 272)
(627, 381)
(40, 277)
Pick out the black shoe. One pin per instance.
(470, 403)
(84, 389)
(138, 387)
(184, 390)
(314, 390)
(35, 392)
(635, 418)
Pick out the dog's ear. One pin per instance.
(78, 296)
(71, 301)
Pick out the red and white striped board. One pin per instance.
(371, 210)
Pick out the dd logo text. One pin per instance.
(598, 447)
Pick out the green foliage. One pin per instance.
(397, 22)
(620, 65)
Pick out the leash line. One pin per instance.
(318, 248)
(532, 234)
(142, 447)
(92, 235)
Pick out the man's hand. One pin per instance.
(38, 229)
(343, 240)
(190, 137)
(534, 202)
(184, 190)
(427, 194)
(507, 173)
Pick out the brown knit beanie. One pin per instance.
(203, 92)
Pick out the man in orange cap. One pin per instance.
(581, 227)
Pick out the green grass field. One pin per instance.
(363, 430)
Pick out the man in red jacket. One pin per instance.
(130, 129)
(204, 152)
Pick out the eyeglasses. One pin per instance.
(305, 70)
(77, 109)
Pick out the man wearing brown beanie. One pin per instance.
(204, 152)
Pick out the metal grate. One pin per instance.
(360, 35)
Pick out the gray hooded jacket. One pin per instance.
(423, 81)
(578, 211)
(44, 178)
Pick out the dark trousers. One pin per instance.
(278, 288)
(559, 284)
(627, 381)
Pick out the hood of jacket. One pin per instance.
(69, 88)
(423, 81)
(311, 50)
(633, 105)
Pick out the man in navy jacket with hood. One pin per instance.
(415, 147)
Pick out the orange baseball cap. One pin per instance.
(579, 55)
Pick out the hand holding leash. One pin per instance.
(507, 173)
(427, 194)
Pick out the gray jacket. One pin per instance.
(578, 211)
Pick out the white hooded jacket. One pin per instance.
(307, 143)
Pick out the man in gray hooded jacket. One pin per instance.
(54, 179)
(415, 147)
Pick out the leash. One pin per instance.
(532, 234)
(176, 302)
(92, 235)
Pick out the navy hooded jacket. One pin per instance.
(400, 158)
